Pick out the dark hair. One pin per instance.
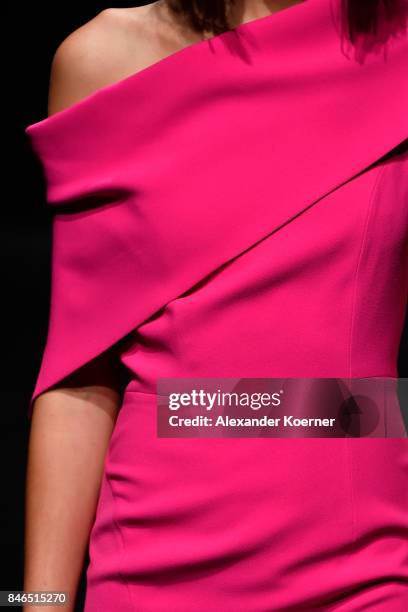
(362, 16)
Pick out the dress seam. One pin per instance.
(144, 393)
(122, 541)
(374, 190)
(349, 441)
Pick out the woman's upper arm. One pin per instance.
(81, 62)
(112, 46)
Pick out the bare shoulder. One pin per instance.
(111, 46)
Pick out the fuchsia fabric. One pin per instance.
(230, 211)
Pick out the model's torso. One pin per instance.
(324, 295)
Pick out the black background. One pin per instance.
(32, 32)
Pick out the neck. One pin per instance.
(242, 11)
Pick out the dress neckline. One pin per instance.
(249, 27)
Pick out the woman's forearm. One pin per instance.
(70, 432)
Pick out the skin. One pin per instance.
(71, 425)
(121, 42)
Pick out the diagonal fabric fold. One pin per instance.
(129, 234)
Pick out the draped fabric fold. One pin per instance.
(161, 178)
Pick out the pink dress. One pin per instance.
(232, 211)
